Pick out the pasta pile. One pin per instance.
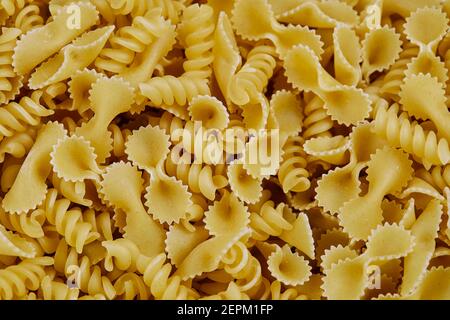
(224, 149)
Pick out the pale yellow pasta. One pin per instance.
(224, 149)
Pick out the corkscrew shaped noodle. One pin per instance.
(196, 32)
(68, 222)
(17, 145)
(411, 137)
(17, 280)
(15, 116)
(254, 75)
(283, 37)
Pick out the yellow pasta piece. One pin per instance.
(434, 286)
(287, 113)
(209, 111)
(10, 82)
(14, 245)
(33, 172)
(167, 199)
(347, 56)
(147, 147)
(430, 104)
(140, 228)
(226, 216)
(84, 167)
(180, 241)
(345, 179)
(243, 185)
(348, 278)
(227, 59)
(282, 37)
(75, 56)
(425, 230)
(328, 14)
(305, 72)
(360, 215)
(287, 267)
(120, 98)
(378, 60)
(332, 150)
(40, 43)
(79, 87)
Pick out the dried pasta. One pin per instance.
(239, 149)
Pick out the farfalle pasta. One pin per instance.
(241, 149)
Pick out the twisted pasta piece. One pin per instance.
(18, 144)
(292, 173)
(56, 96)
(27, 224)
(56, 290)
(17, 280)
(130, 286)
(198, 177)
(15, 116)
(100, 222)
(317, 123)
(197, 32)
(276, 292)
(10, 7)
(68, 223)
(411, 137)
(438, 177)
(28, 18)
(155, 271)
(127, 42)
(10, 82)
(169, 9)
(394, 77)
(253, 76)
(169, 90)
(269, 221)
(92, 282)
(119, 137)
(243, 266)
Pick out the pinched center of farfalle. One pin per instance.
(389, 170)
(347, 275)
(108, 98)
(121, 187)
(261, 24)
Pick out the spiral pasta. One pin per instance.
(196, 31)
(411, 137)
(28, 18)
(254, 75)
(68, 223)
(15, 116)
(293, 174)
(317, 123)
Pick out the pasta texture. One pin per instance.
(224, 149)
